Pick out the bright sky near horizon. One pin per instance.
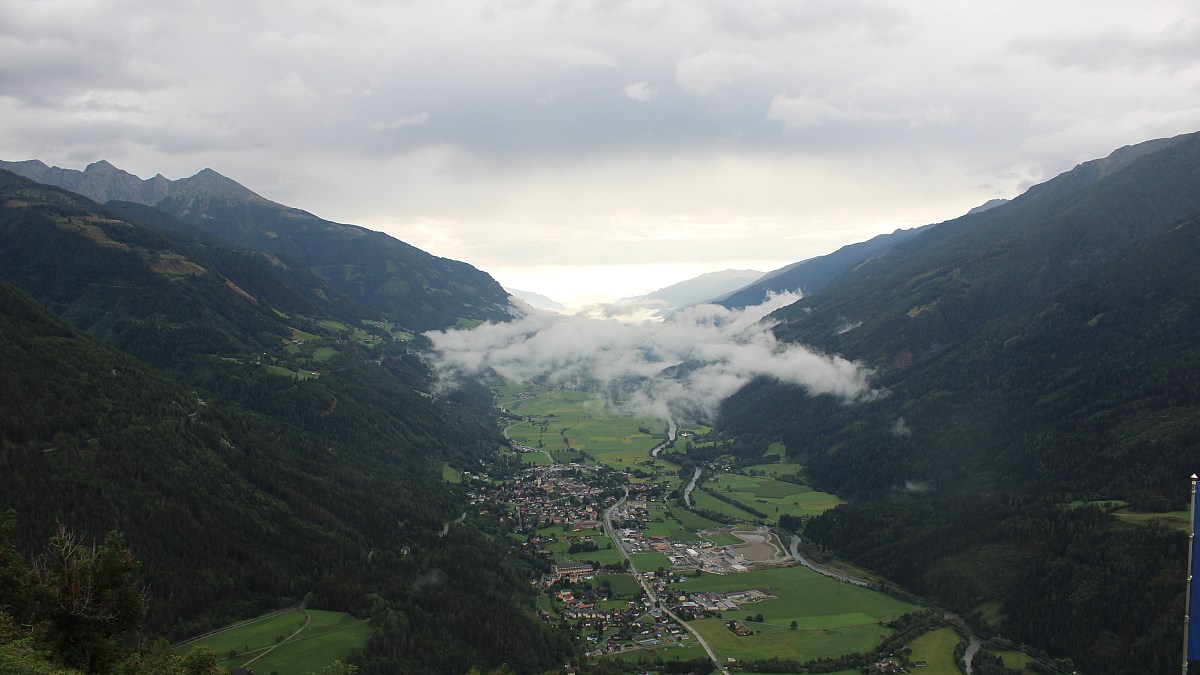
(588, 149)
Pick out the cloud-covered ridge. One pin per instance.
(686, 364)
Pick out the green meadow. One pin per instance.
(571, 420)
(1015, 660)
(936, 648)
(1176, 520)
(831, 618)
(766, 494)
(318, 638)
(649, 562)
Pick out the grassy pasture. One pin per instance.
(1176, 520)
(691, 520)
(774, 468)
(603, 555)
(302, 336)
(538, 458)
(392, 329)
(621, 585)
(324, 353)
(285, 372)
(773, 497)
(1015, 660)
(781, 641)
(832, 618)
(649, 562)
(669, 528)
(328, 637)
(581, 421)
(936, 648)
(710, 503)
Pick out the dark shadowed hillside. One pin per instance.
(403, 283)
(1034, 355)
(297, 453)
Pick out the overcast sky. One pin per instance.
(589, 149)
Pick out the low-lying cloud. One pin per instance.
(686, 364)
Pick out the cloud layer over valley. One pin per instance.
(686, 364)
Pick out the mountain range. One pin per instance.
(235, 385)
(1029, 357)
(295, 453)
(696, 290)
(403, 283)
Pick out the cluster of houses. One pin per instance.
(556, 495)
(647, 630)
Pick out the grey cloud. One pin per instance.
(770, 18)
(709, 70)
(573, 57)
(328, 98)
(640, 91)
(720, 350)
(1170, 49)
(798, 112)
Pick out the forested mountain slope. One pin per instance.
(1033, 355)
(812, 275)
(403, 283)
(297, 454)
(933, 289)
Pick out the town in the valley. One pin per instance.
(585, 509)
(653, 548)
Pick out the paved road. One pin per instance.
(616, 539)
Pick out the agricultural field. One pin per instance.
(577, 421)
(708, 502)
(287, 372)
(649, 562)
(392, 329)
(621, 585)
(773, 469)
(831, 618)
(936, 648)
(295, 641)
(693, 521)
(766, 494)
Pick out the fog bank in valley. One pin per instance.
(687, 363)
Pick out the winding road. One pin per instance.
(616, 539)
